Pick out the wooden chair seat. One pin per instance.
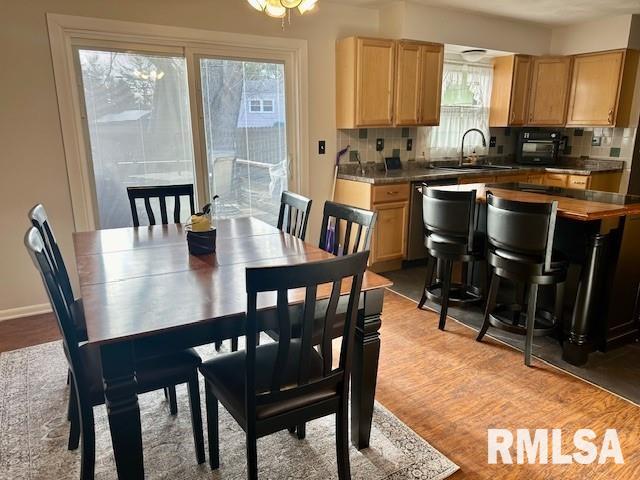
(226, 374)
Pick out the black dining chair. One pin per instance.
(450, 236)
(152, 373)
(270, 387)
(161, 192)
(520, 238)
(294, 214)
(342, 225)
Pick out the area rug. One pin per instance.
(34, 433)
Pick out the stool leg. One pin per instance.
(531, 323)
(558, 309)
(446, 286)
(431, 262)
(491, 304)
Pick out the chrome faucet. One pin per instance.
(484, 142)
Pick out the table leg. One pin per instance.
(121, 400)
(576, 348)
(364, 371)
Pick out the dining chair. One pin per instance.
(294, 214)
(86, 387)
(161, 192)
(337, 215)
(267, 388)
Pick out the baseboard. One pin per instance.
(24, 311)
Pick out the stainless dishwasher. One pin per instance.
(415, 239)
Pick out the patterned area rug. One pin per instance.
(34, 433)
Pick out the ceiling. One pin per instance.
(546, 12)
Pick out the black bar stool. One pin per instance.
(520, 237)
(450, 236)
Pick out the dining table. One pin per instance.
(143, 293)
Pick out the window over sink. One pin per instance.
(466, 96)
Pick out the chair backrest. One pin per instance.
(40, 220)
(451, 214)
(526, 228)
(294, 214)
(337, 233)
(35, 245)
(161, 192)
(312, 277)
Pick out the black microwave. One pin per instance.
(538, 147)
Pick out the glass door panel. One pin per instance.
(139, 126)
(244, 120)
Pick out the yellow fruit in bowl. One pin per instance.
(200, 223)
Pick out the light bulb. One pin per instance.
(275, 9)
(290, 3)
(306, 5)
(258, 4)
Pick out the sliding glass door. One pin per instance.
(138, 109)
(139, 126)
(244, 122)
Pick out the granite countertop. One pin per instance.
(417, 171)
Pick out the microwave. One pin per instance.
(538, 147)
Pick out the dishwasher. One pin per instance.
(415, 239)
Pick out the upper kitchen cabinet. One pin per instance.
(418, 83)
(365, 74)
(385, 82)
(549, 91)
(602, 88)
(510, 91)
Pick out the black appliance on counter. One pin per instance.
(539, 147)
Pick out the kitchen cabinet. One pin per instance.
(556, 180)
(510, 91)
(604, 181)
(549, 91)
(602, 88)
(382, 82)
(391, 203)
(484, 179)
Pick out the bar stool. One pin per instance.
(450, 236)
(520, 238)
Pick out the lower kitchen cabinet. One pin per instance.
(390, 235)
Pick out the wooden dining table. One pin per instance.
(144, 293)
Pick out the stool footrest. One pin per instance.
(459, 294)
(513, 318)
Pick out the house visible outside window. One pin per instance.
(267, 105)
(255, 106)
(466, 95)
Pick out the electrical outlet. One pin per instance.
(596, 141)
(379, 144)
(322, 147)
(492, 141)
(409, 144)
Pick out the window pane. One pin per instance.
(246, 148)
(139, 128)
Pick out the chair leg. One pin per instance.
(252, 455)
(212, 427)
(218, 345)
(301, 431)
(531, 323)
(234, 344)
(431, 263)
(558, 310)
(173, 402)
(196, 417)
(74, 417)
(291, 430)
(342, 442)
(491, 304)
(88, 456)
(446, 287)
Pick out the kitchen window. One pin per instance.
(466, 95)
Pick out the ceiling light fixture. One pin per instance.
(282, 8)
(473, 55)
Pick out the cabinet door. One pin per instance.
(390, 235)
(485, 180)
(431, 93)
(580, 182)
(536, 179)
(549, 90)
(555, 180)
(594, 88)
(374, 80)
(520, 90)
(408, 83)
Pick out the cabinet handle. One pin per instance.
(610, 117)
(392, 193)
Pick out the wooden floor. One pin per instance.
(451, 389)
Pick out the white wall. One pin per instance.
(607, 33)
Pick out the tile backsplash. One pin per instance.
(363, 141)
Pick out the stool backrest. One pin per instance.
(526, 228)
(452, 214)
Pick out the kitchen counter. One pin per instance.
(421, 171)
